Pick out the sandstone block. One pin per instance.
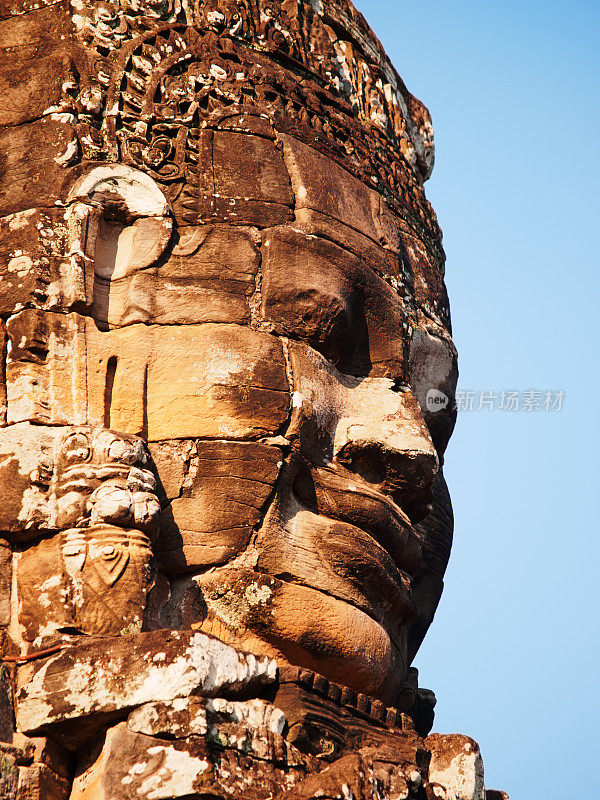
(456, 768)
(31, 51)
(208, 277)
(93, 581)
(33, 162)
(26, 466)
(429, 289)
(7, 722)
(271, 614)
(233, 723)
(9, 777)
(322, 185)
(222, 762)
(385, 261)
(322, 293)
(46, 752)
(38, 782)
(189, 381)
(237, 178)
(433, 375)
(252, 186)
(218, 503)
(86, 684)
(46, 370)
(30, 260)
(5, 582)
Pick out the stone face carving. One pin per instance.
(222, 312)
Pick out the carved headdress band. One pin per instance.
(170, 70)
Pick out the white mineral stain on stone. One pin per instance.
(63, 116)
(176, 776)
(46, 630)
(21, 265)
(460, 775)
(217, 72)
(69, 155)
(144, 719)
(206, 666)
(18, 220)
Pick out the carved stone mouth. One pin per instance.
(339, 495)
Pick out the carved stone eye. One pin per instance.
(77, 448)
(108, 552)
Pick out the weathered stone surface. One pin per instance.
(434, 375)
(345, 421)
(90, 681)
(217, 501)
(209, 276)
(189, 381)
(214, 764)
(456, 767)
(194, 715)
(5, 582)
(9, 777)
(31, 49)
(33, 162)
(323, 294)
(274, 615)
(45, 752)
(226, 386)
(93, 581)
(35, 268)
(45, 368)
(385, 261)
(76, 476)
(251, 182)
(7, 723)
(38, 782)
(325, 187)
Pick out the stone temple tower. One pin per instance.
(226, 389)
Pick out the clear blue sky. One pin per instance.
(513, 88)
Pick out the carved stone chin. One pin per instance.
(222, 318)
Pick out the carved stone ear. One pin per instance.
(120, 224)
(136, 190)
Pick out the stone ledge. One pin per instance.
(95, 681)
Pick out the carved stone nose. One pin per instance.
(393, 451)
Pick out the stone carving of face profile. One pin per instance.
(235, 262)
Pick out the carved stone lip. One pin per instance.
(385, 587)
(338, 494)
